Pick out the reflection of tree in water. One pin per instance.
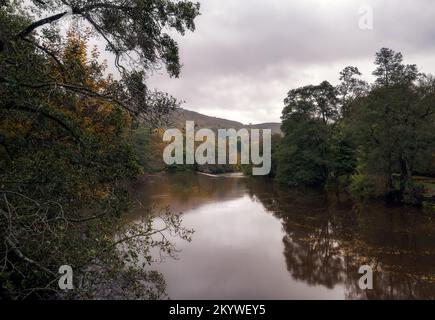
(313, 259)
(326, 241)
(183, 191)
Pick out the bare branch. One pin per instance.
(40, 23)
(28, 260)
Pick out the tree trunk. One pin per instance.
(406, 185)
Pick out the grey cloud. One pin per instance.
(246, 54)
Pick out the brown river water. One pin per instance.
(255, 239)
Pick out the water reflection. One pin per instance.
(256, 240)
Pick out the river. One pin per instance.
(255, 239)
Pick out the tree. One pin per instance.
(350, 89)
(391, 71)
(65, 145)
(275, 151)
(381, 134)
(392, 122)
(307, 115)
(313, 101)
(133, 31)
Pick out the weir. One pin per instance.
(253, 150)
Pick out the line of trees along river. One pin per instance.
(69, 145)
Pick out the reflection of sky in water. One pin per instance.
(256, 240)
(236, 253)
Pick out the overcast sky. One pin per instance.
(246, 54)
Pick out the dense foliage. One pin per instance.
(66, 149)
(372, 139)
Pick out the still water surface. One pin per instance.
(256, 240)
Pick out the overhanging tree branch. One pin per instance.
(47, 115)
(35, 25)
(40, 23)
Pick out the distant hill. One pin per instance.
(179, 118)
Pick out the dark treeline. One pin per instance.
(371, 139)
